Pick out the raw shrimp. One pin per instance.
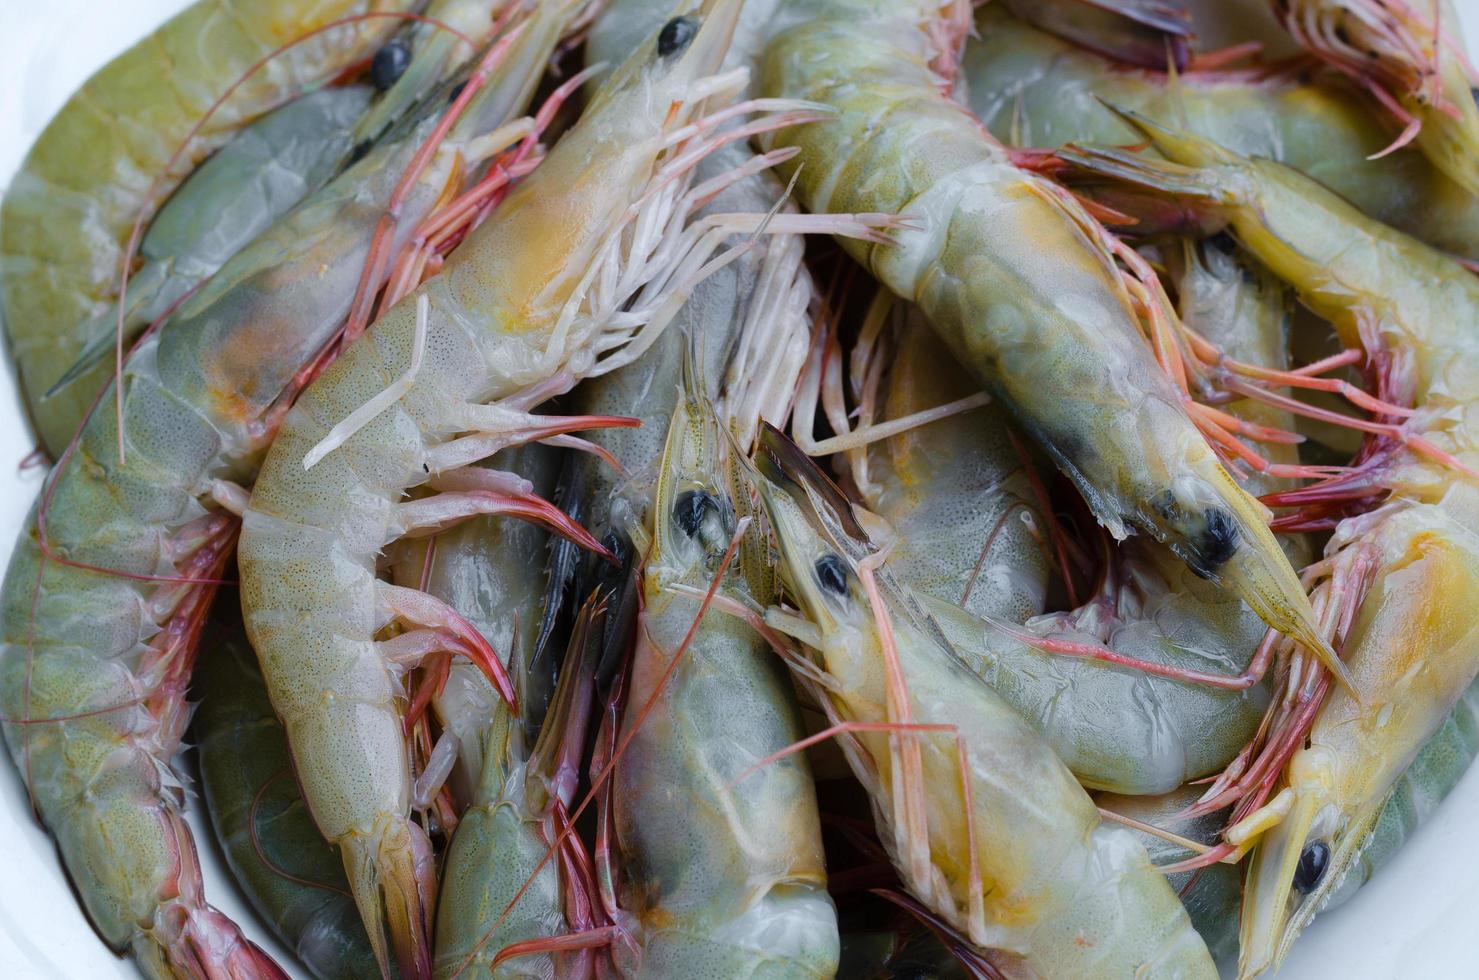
(570, 278)
(1398, 583)
(1021, 285)
(107, 588)
(757, 901)
(1116, 728)
(758, 303)
(272, 847)
(1409, 54)
(487, 569)
(113, 153)
(729, 881)
(1031, 89)
(985, 826)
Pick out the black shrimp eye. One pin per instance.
(690, 509)
(676, 35)
(389, 64)
(1312, 864)
(1223, 241)
(1217, 543)
(832, 574)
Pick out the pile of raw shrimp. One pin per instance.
(801, 488)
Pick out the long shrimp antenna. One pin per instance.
(1195, 847)
(911, 817)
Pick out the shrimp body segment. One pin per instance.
(109, 157)
(272, 847)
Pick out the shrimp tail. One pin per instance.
(191, 938)
(392, 876)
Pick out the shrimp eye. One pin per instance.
(690, 509)
(389, 64)
(832, 574)
(676, 35)
(1223, 241)
(1312, 864)
(1218, 541)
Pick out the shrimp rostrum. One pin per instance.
(1397, 585)
(567, 279)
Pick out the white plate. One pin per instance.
(1416, 920)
